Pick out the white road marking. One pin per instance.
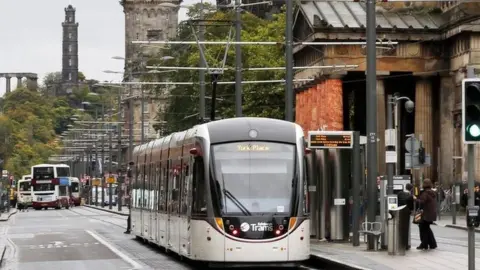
(115, 250)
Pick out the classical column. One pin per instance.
(447, 138)
(32, 83)
(423, 122)
(19, 82)
(8, 86)
(381, 125)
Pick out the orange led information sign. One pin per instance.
(330, 139)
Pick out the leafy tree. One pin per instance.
(260, 100)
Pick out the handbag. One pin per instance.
(418, 217)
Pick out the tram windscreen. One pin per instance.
(254, 177)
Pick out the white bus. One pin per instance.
(24, 192)
(75, 190)
(50, 186)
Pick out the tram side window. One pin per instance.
(145, 187)
(62, 190)
(163, 189)
(138, 187)
(306, 195)
(184, 189)
(199, 188)
(177, 175)
(155, 187)
(152, 187)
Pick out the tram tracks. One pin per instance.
(99, 219)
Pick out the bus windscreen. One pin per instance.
(43, 173)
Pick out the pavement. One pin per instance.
(125, 211)
(5, 216)
(452, 252)
(78, 238)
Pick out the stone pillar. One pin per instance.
(32, 83)
(381, 125)
(19, 82)
(423, 121)
(447, 137)
(8, 86)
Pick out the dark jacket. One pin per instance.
(428, 202)
(405, 198)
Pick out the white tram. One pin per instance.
(229, 193)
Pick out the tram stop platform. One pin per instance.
(451, 253)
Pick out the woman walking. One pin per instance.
(428, 203)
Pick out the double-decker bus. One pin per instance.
(75, 190)
(24, 192)
(50, 186)
(231, 192)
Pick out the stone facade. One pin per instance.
(436, 41)
(146, 20)
(69, 51)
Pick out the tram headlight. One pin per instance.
(278, 232)
(234, 232)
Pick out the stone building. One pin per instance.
(436, 42)
(69, 51)
(146, 20)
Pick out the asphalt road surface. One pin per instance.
(79, 238)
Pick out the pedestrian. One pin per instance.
(427, 201)
(130, 176)
(406, 198)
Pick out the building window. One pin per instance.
(145, 107)
(70, 62)
(69, 35)
(138, 36)
(70, 19)
(69, 76)
(146, 128)
(69, 48)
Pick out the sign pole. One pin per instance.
(356, 175)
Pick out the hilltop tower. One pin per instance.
(146, 20)
(69, 51)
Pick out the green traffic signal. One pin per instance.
(474, 130)
(471, 110)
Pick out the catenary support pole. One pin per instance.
(289, 102)
(102, 162)
(201, 74)
(238, 59)
(119, 148)
(110, 156)
(371, 99)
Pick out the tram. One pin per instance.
(231, 192)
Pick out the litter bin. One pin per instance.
(398, 222)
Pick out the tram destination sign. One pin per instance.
(330, 139)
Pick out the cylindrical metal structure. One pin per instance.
(371, 98)
(201, 74)
(102, 160)
(337, 221)
(119, 148)
(238, 60)
(289, 100)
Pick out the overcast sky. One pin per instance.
(31, 36)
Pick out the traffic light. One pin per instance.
(421, 155)
(471, 111)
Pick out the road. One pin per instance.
(79, 238)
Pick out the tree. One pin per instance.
(260, 100)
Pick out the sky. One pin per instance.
(31, 36)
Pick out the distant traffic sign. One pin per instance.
(330, 139)
(96, 182)
(111, 180)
